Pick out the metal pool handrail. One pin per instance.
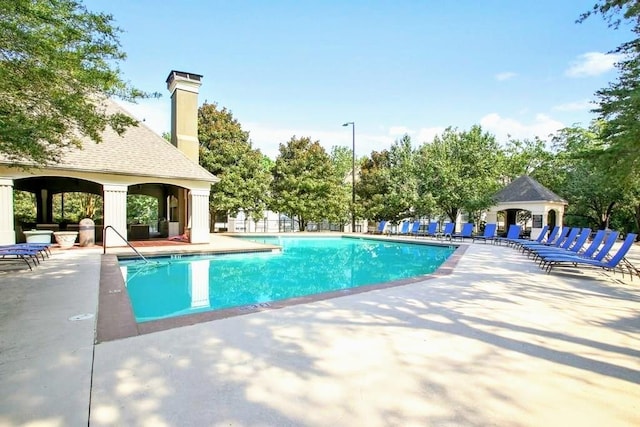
(104, 242)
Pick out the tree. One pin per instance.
(305, 184)
(58, 61)
(619, 104)
(460, 170)
(374, 185)
(142, 209)
(226, 152)
(78, 206)
(24, 206)
(587, 184)
(529, 157)
(339, 211)
(388, 185)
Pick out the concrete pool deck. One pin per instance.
(497, 342)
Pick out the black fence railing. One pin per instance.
(285, 226)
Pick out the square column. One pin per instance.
(7, 231)
(199, 216)
(115, 214)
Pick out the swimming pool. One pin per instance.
(189, 284)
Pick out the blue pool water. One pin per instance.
(170, 287)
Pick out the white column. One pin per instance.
(115, 213)
(560, 215)
(7, 232)
(491, 217)
(199, 211)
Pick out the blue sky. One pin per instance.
(284, 68)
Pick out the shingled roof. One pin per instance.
(526, 189)
(139, 152)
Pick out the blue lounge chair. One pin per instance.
(29, 256)
(430, 231)
(541, 237)
(489, 233)
(381, 226)
(415, 228)
(587, 253)
(448, 231)
(404, 228)
(465, 233)
(611, 264)
(512, 235)
(597, 254)
(564, 241)
(570, 246)
(43, 249)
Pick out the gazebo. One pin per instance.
(527, 194)
(138, 162)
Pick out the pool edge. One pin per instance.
(116, 320)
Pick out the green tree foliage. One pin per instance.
(226, 152)
(305, 183)
(402, 179)
(460, 170)
(374, 185)
(57, 61)
(73, 206)
(339, 211)
(529, 157)
(388, 186)
(587, 183)
(619, 103)
(142, 209)
(24, 206)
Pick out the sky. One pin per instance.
(519, 69)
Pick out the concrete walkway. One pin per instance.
(498, 342)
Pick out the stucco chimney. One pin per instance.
(184, 89)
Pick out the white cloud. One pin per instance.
(154, 113)
(506, 75)
(592, 64)
(574, 106)
(504, 128)
(399, 131)
(427, 134)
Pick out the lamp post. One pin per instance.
(353, 175)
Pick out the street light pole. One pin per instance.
(353, 175)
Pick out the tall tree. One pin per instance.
(388, 186)
(529, 157)
(225, 151)
(374, 185)
(619, 103)
(460, 169)
(587, 183)
(57, 62)
(339, 211)
(305, 183)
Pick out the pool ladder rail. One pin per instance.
(104, 243)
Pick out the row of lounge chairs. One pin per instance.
(568, 246)
(416, 229)
(31, 253)
(561, 247)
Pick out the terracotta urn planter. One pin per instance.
(66, 239)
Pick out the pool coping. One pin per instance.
(115, 319)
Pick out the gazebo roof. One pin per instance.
(139, 152)
(527, 189)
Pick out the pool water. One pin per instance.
(169, 287)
